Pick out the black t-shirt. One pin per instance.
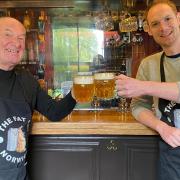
(20, 85)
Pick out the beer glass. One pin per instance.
(104, 85)
(83, 88)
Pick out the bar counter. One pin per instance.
(92, 145)
(83, 122)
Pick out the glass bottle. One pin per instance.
(41, 22)
(27, 21)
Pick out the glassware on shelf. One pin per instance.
(130, 3)
(104, 20)
(128, 24)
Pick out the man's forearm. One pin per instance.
(148, 118)
(165, 90)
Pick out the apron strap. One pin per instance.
(163, 78)
(166, 117)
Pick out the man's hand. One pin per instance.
(171, 135)
(129, 87)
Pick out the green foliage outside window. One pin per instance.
(73, 50)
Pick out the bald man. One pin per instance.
(20, 95)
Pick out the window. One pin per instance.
(74, 48)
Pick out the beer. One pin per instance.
(104, 85)
(83, 88)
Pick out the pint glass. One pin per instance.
(83, 88)
(104, 85)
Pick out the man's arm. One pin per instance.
(130, 87)
(170, 135)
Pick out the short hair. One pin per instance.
(170, 3)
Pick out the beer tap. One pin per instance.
(123, 104)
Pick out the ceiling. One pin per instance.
(80, 4)
(90, 4)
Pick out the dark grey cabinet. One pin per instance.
(93, 157)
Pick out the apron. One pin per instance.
(169, 158)
(15, 118)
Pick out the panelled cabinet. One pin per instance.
(93, 157)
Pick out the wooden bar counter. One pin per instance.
(92, 145)
(107, 122)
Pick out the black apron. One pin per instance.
(169, 158)
(15, 118)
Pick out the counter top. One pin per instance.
(105, 122)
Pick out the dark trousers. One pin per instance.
(169, 162)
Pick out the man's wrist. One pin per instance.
(146, 87)
(160, 126)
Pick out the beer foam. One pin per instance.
(102, 76)
(83, 80)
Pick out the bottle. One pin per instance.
(41, 71)
(41, 22)
(30, 50)
(27, 21)
(123, 69)
(32, 16)
(41, 79)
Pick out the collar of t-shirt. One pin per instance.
(174, 56)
